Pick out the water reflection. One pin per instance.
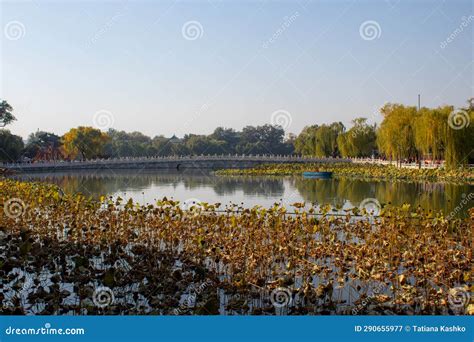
(146, 186)
(434, 196)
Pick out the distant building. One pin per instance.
(174, 139)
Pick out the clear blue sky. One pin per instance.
(73, 59)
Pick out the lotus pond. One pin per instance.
(64, 253)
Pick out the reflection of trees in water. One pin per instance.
(320, 191)
(337, 192)
(435, 196)
(263, 186)
(92, 184)
(108, 182)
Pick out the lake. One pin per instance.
(147, 186)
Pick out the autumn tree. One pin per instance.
(84, 143)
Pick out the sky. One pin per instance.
(176, 67)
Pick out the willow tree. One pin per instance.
(459, 133)
(396, 136)
(306, 141)
(430, 131)
(319, 141)
(345, 145)
(328, 138)
(359, 141)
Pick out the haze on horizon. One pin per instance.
(172, 67)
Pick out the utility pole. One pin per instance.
(419, 157)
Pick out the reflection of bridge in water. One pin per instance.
(173, 162)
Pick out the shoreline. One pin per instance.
(359, 171)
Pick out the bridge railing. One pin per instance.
(228, 157)
(425, 164)
(271, 158)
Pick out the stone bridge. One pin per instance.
(172, 162)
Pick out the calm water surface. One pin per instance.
(148, 186)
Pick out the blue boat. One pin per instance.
(317, 174)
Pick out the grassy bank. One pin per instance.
(369, 171)
(91, 257)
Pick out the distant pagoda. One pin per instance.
(174, 139)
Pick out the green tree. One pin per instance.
(201, 144)
(396, 136)
(305, 142)
(266, 139)
(11, 146)
(42, 144)
(319, 141)
(228, 136)
(134, 144)
(6, 116)
(162, 146)
(459, 136)
(359, 141)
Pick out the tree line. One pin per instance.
(405, 133)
